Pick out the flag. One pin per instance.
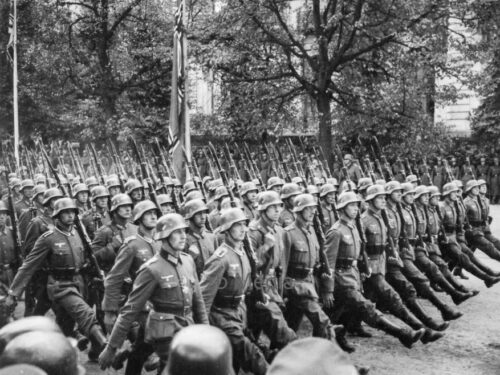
(12, 34)
(179, 133)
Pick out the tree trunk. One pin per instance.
(325, 125)
(5, 72)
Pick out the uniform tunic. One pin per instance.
(328, 215)
(287, 217)
(200, 244)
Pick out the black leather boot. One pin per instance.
(417, 309)
(406, 336)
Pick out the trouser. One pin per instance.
(246, 355)
(495, 241)
(270, 320)
(475, 260)
(298, 306)
(400, 283)
(445, 270)
(72, 305)
(477, 240)
(162, 348)
(37, 301)
(463, 259)
(352, 300)
(139, 353)
(432, 271)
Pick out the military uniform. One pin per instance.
(200, 244)
(486, 218)
(250, 211)
(302, 258)
(63, 256)
(475, 235)
(9, 260)
(107, 242)
(131, 256)
(438, 176)
(328, 216)
(214, 218)
(21, 206)
(270, 262)
(25, 219)
(286, 218)
(494, 182)
(93, 220)
(225, 281)
(169, 282)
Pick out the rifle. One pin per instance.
(254, 166)
(271, 160)
(236, 173)
(14, 222)
(383, 159)
(366, 265)
(296, 162)
(91, 268)
(99, 170)
(326, 166)
(288, 177)
(145, 174)
(119, 167)
(247, 246)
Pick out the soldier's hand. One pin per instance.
(269, 240)
(110, 320)
(328, 300)
(10, 303)
(262, 304)
(106, 357)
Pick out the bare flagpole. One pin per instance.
(14, 84)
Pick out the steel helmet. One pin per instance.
(302, 201)
(212, 185)
(459, 183)
(434, 191)
(177, 182)
(167, 224)
(49, 194)
(206, 179)
(193, 194)
(3, 207)
(91, 181)
(317, 181)
(471, 184)
(78, 188)
(226, 203)
(364, 183)
(407, 188)
(167, 181)
(333, 181)
(298, 180)
(392, 186)
(312, 189)
(268, 198)
(99, 192)
(327, 189)
(481, 182)
(411, 178)
(220, 192)
(346, 198)
(189, 186)
(14, 182)
(112, 182)
(132, 185)
(194, 206)
(63, 204)
(51, 182)
(164, 199)
(247, 187)
(274, 181)
(120, 199)
(347, 186)
(40, 180)
(28, 183)
(449, 188)
(39, 189)
(229, 217)
(12, 175)
(420, 190)
(141, 208)
(380, 181)
(374, 191)
(289, 190)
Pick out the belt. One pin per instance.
(346, 263)
(179, 311)
(476, 223)
(375, 249)
(228, 301)
(298, 272)
(63, 273)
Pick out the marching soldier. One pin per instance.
(135, 190)
(9, 259)
(135, 251)
(166, 204)
(109, 238)
(327, 196)
(343, 247)
(353, 169)
(61, 252)
(494, 180)
(168, 281)
(451, 247)
(215, 215)
(485, 213)
(375, 286)
(81, 196)
(248, 192)
(200, 243)
(288, 193)
(113, 186)
(303, 264)
(35, 210)
(225, 281)
(26, 191)
(275, 183)
(98, 216)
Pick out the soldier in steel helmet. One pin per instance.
(109, 238)
(343, 249)
(135, 190)
(168, 282)
(200, 242)
(98, 216)
(248, 192)
(35, 210)
(225, 281)
(10, 261)
(24, 203)
(214, 215)
(81, 196)
(133, 253)
(166, 204)
(328, 196)
(288, 193)
(376, 287)
(36, 299)
(60, 251)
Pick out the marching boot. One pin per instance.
(338, 333)
(457, 296)
(483, 267)
(120, 357)
(98, 342)
(447, 312)
(417, 309)
(458, 271)
(410, 319)
(152, 363)
(490, 281)
(82, 342)
(360, 331)
(406, 336)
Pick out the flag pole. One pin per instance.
(14, 84)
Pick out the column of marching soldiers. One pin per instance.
(139, 258)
